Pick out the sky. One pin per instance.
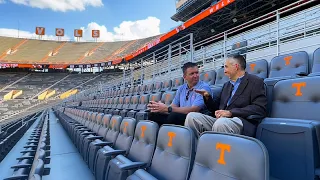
(116, 19)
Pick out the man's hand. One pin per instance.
(202, 92)
(157, 107)
(223, 113)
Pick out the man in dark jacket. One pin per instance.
(240, 107)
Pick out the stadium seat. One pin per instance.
(142, 106)
(167, 85)
(177, 82)
(221, 78)
(258, 68)
(140, 153)
(93, 131)
(229, 156)
(316, 63)
(208, 77)
(119, 106)
(283, 67)
(133, 105)
(104, 124)
(291, 134)
(158, 87)
(121, 146)
(109, 139)
(175, 148)
(144, 113)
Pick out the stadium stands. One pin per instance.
(108, 121)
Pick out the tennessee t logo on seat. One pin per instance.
(143, 128)
(223, 148)
(287, 60)
(171, 136)
(298, 86)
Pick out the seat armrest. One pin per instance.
(255, 117)
(103, 144)
(21, 166)
(87, 133)
(301, 74)
(114, 153)
(132, 166)
(95, 137)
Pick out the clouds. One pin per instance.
(127, 30)
(59, 5)
(2, 1)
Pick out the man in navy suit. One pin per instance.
(239, 108)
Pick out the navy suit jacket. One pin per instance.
(249, 103)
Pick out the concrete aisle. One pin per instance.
(66, 163)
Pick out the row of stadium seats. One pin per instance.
(115, 148)
(31, 165)
(12, 132)
(292, 125)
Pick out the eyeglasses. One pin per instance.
(188, 93)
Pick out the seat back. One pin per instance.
(229, 157)
(155, 97)
(177, 82)
(120, 103)
(297, 99)
(221, 78)
(167, 85)
(175, 146)
(158, 87)
(143, 102)
(316, 61)
(126, 134)
(126, 102)
(113, 129)
(134, 102)
(258, 68)
(289, 64)
(208, 77)
(105, 121)
(168, 97)
(150, 88)
(144, 142)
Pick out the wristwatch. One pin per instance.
(169, 109)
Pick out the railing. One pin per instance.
(166, 62)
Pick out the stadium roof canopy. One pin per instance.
(216, 20)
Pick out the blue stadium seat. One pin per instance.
(121, 146)
(291, 134)
(208, 77)
(286, 66)
(228, 156)
(140, 153)
(316, 63)
(175, 148)
(258, 68)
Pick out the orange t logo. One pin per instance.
(287, 59)
(171, 136)
(113, 123)
(252, 66)
(143, 128)
(125, 127)
(223, 147)
(298, 86)
(167, 97)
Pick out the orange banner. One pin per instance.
(213, 9)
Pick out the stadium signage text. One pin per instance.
(59, 32)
